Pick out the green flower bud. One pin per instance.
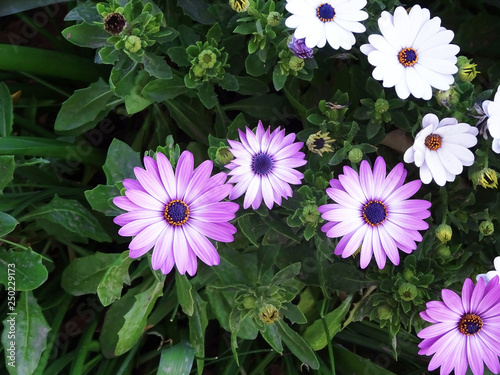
(486, 227)
(466, 70)
(408, 274)
(381, 105)
(249, 302)
(448, 98)
(310, 213)
(355, 155)
(223, 155)
(408, 292)
(274, 18)
(443, 233)
(207, 59)
(384, 312)
(443, 251)
(133, 43)
(198, 71)
(269, 314)
(239, 5)
(296, 63)
(114, 23)
(486, 177)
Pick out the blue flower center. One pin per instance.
(262, 164)
(176, 212)
(325, 12)
(470, 324)
(408, 57)
(374, 213)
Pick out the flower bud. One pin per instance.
(223, 155)
(466, 70)
(408, 274)
(114, 23)
(239, 5)
(310, 213)
(443, 233)
(408, 292)
(133, 43)
(299, 48)
(198, 71)
(443, 251)
(274, 18)
(249, 302)
(269, 314)
(296, 63)
(486, 228)
(486, 177)
(381, 105)
(319, 143)
(207, 59)
(384, 312)
(355, 155)
(448, 98)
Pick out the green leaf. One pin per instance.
(351, 363)
(374, 88)
(184, 293)
(309, 232)
(190, 119)
(128, 85)
(198, 11)
(7, 224)
(29, 274)
(197, 325)
(293, 313)
(229, 82)
(214, 33)
(84, 109)
(297, 345)
(273, 338)
(136, 318)
(219, 306)
(101, 197)
(156, 66)
(207, 95)
(279, 79)
(6, 111)
(255, 67)
(111, 285)
(159, 90)
(72, 215)
(86, 35)
(30, 336)
(176, 360)
(7, 167)
(120, 162)
(84, 275)
(267, 106)
(251, 86)
(286, 274)
(315, 334)
(179, 56)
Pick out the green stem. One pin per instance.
(328, 338)
(14, 244)
(83, 348)
(33, 128)
(47, 84)
(50, 63)
(47, 34)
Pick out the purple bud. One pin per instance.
(299, 48)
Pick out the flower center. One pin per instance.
(433, 142)
(176, 212)
(114, 23)
(470, 324)
(325, 12)
(319, 143)
(262, 164)
(408, 57)
(374, 213)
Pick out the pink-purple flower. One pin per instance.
(174, 213)
(465, 330)
(299, 48)
(373, 213)
(264, 165)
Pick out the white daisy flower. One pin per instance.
(490, 274)
(413, 53)
(492, 110)
(319, 21)
(441, 149)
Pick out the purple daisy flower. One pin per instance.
(466, 331)
(299, 48)
(176, 213)
(373, 211)
(263, 166)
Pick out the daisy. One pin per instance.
(175, 213)
(263, 166)
(319, 21)
(492, 111)
(464, 330)
(413, 53)
(373, 211)
(490, 274)
(441, 149)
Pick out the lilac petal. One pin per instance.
(467, 290)
(377, 246)
(133, 228)
(453, 301)
(488, 356)
(355, 241)
(211, 196)
(260, 132)
(444, 349)
(198, 181)
(379, 171)
(252, 193)
(180, 251)
(201, 246)
(339, 249)
(167, 175)
(404, 192)
(438, 329)
(152, 185)
(344, 199)
(279, 187)
(163, 247)
(389, 246)
(215, 212)
(366, 249)
(254, 144)
(475, 355)
(347, 226)
(340, 214)
(426, 317)
(408, 206)
(477, 295)
(125, 204)
(443, 314)
(192, 264)
(391, 182)
(267, 192)
(145, 240)
(330, 207)
(288, 151)
(145, 200)
(288, 175)
(214, 231)
(130, 184)
(399, 234)
(350, 182)
(183, 173)
(169, 263)
(137, 215)
(366, 180)
(490, 299)
(409, 222)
